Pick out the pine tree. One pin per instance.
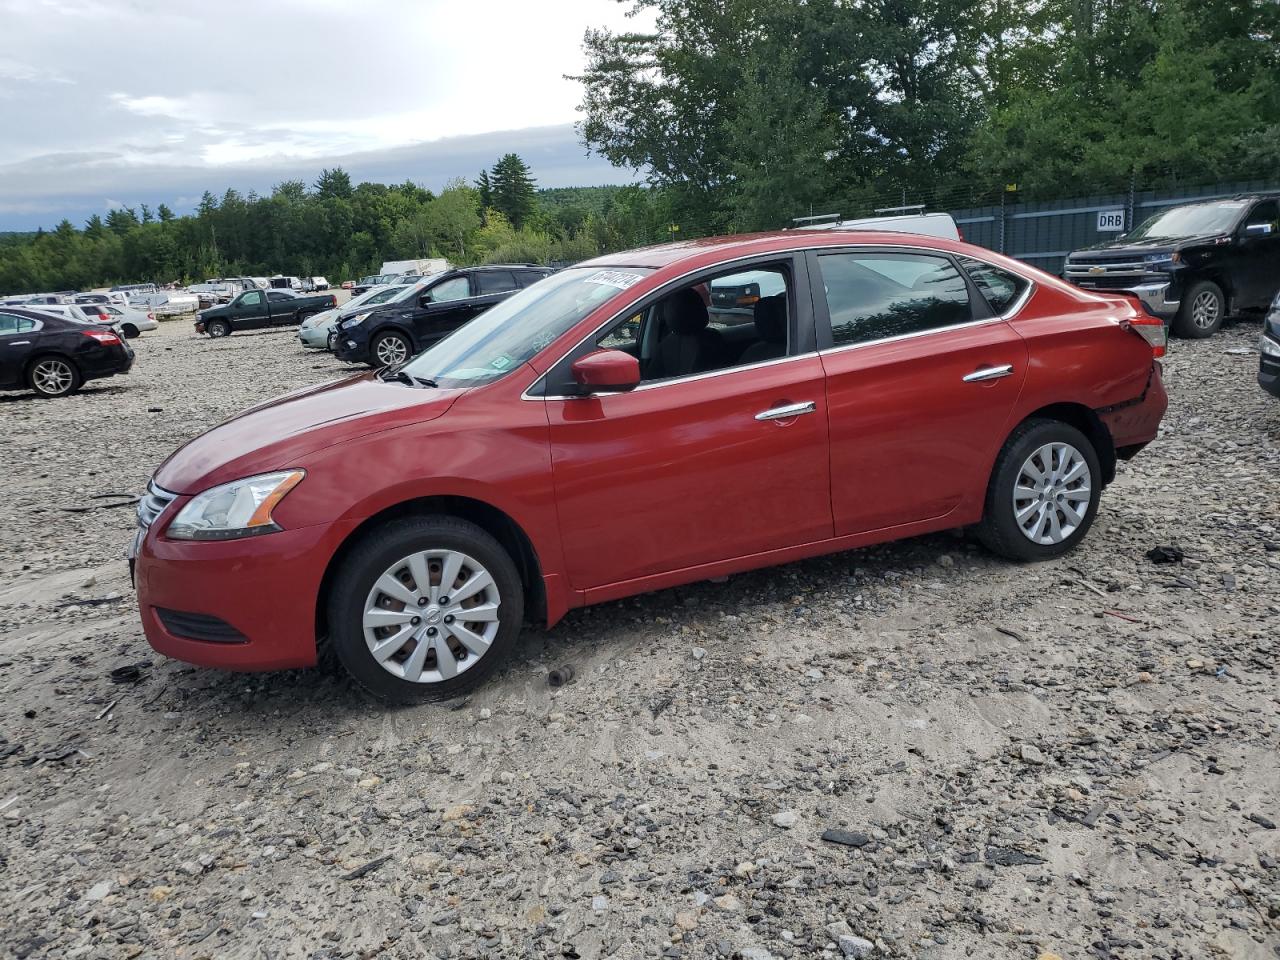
(513, 189)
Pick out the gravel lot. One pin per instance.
(1074, 760)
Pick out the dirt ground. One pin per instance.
(915, 750)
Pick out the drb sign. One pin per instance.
(1110, 221)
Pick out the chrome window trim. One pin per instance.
(844, 347)
(786, 252)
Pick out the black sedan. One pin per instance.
(1269, 347)
(53, 355)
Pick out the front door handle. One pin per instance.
(787, 412)
(990, 373)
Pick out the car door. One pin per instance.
(443, 308)
(250, 312)
(922, 376)
(1258, 245)
(283, 308)
(702, 466)
(19, 338)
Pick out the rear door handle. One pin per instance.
(787, 412)
(990, 373)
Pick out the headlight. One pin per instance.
(1161, 261)
(241, 508)
(356, 319)
(1269, 347)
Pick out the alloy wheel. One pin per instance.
(53, 376)
(431, 616)
(1205, 310)
(1052, 493)
(391, 349)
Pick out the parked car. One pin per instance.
(98, 313)
(130, 321)
(417, 268)
(53, 356)
(319, 283)
(365, 283)
(256, 309)
(286, 283)
(315, 331)
(135, 289)
(596, 436)
(1192, 265)
(1269, 348)
(211, 293)
(395, 331)
(119, 298)
(348, 284)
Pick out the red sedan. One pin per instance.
(643, 420)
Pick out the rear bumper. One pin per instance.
(106, 362)
(263, 589)
(1135, 424)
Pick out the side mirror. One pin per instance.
(424, 300)
(1257, 229)
(607, 371)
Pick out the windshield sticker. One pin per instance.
(500, 362)
(614, 278)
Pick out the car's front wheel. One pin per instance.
(218, 328)
(425, 609)
(1202, 311)
(389, 348)
(1044, 492)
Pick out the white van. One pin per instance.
(926, 224)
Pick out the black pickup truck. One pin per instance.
(255, 309)
(1194, 264)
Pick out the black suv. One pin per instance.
(393, 332)
(1193, 264)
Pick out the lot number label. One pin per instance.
(1110, 221)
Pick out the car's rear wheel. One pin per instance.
(129, 330)
(54, 377)
(217, 328)
(1044, 492)
(389, 348)
(1202, 311)
(425, 609)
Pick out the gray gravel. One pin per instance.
(909, 751)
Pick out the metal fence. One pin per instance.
(1044, 233)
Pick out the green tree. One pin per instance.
(512, 189)
(334, 184)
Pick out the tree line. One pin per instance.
(336, 229)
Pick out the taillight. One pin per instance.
(102, 336)
(333, 301)
(151, 316)
(1151, 329)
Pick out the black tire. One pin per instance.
(40, 375)
(129, 331)
(1202, 311)
(218, 329)
(391, 340)
(999, 528)
(374, 556)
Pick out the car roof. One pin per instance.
(711, 250)
(37, 315)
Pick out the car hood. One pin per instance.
(279, 433)
(1148, 245)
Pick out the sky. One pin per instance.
(106, 103)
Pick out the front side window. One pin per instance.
(251, 299)
(726, 321)
(1000, 288)
(513, 331)
(456, 288)
(1265, 219)
(874, 296)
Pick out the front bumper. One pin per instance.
(1160, 299)
(264, 589)
(315, 338)
(1269, 366)
(351, 344)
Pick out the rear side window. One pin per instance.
(276, 297)
(1000, 288)
(874, 296)
(527, 278)
(495, 281)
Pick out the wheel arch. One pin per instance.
(45, 355)
(500, 525)
(1084, 419)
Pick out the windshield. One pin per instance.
(513, 331)
(1193, 220)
